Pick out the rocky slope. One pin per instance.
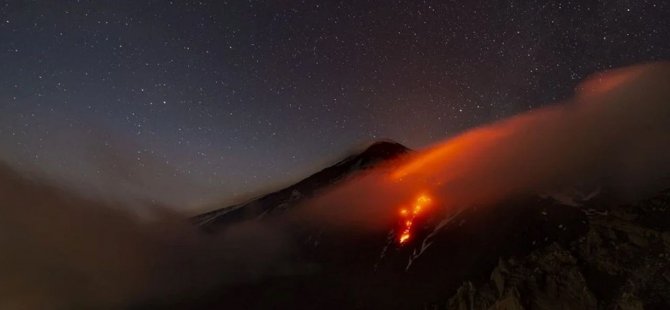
(621, 262)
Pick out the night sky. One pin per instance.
(197, 101)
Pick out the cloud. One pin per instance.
(62, 251)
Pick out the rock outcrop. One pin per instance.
(621, 262)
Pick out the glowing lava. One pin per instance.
(408, 216)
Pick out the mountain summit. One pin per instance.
(373, 155)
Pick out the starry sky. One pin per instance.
(190, 102)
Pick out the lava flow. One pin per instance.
(409, 216)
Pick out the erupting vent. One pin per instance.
(408, 216)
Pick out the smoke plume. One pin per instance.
(615, 132)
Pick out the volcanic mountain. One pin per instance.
(570, 250)
(275, 202)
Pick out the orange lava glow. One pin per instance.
(408, 217)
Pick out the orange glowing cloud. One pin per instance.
(616, 131)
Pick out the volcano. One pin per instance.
(569, 250)
(273, 203)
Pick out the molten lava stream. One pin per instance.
(409, 216)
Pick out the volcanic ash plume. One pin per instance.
(614, 132)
